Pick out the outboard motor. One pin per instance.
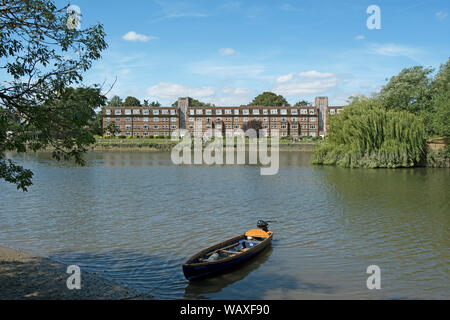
(263, 225)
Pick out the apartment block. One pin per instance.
(294, 122)
(142, 121)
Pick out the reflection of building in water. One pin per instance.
(287, 121)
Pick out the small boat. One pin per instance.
(228, 254)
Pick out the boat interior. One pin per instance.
(232, 249)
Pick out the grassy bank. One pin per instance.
(165, 145)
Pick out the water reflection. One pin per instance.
(202, 288)
(136, 218)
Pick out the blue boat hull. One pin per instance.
(194, 271)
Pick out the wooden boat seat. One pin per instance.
(230, 252)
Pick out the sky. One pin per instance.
(228, 52)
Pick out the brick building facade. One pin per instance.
(294, 122)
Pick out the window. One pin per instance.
(118, 119)
(312, 127)
(128, 134)
(245, 119)
(283, 112)
(108, 119)
(155, 134)
(273, 111)
(236, 112)
(219, 112)
(219, 119)
(145, 119)
(174, 126)
(155, 119)
(136, 111)
(294, 119)
(245, 112)
(192, 112)
(294, 126)
(265, 111)
(332, 111)
(256, 112)
(145, 134)
(155, 127)
(208, 112)
(283, 119)
(108, 112)
(266, 119)
(199, 111)
(312, 111)
(128, 126)
(165, 111)
(128, 119)
(118, 112)
(228, 111)
(127, 112)
(219, 126)
(145, 126)
(173, 112)
(156, 112)
(173, 119)
(313, 119)
(236, 119)
(145, 112)
(294, 112)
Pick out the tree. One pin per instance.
(155, 104)
(112, 129)
(146, 103)
(42, 55)
(303, 103)
(410, 90)
(367, 135)
(115, 101)
(269, 99)
(131, 102)
(253, 124)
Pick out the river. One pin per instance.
(136, 217)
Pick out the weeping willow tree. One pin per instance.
(367, 135)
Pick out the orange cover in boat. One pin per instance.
(257, 233)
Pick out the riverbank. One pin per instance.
(165, 145)
(24, 276)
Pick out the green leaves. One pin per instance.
(269, 99)
(43, 58)
(367, 135)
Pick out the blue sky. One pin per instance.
(227, 52)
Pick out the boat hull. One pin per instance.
(195, 271)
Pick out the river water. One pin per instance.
(136, 217)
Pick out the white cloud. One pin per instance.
(394, 50)
(441, 15)
(315, 74)
(306, 83)
(226, 71)
(166, 90)
(286, 78)
(227, 51)
(360, 37)
(133, 36)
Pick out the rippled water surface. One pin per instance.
(136, 218)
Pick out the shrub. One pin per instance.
(367, 135)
